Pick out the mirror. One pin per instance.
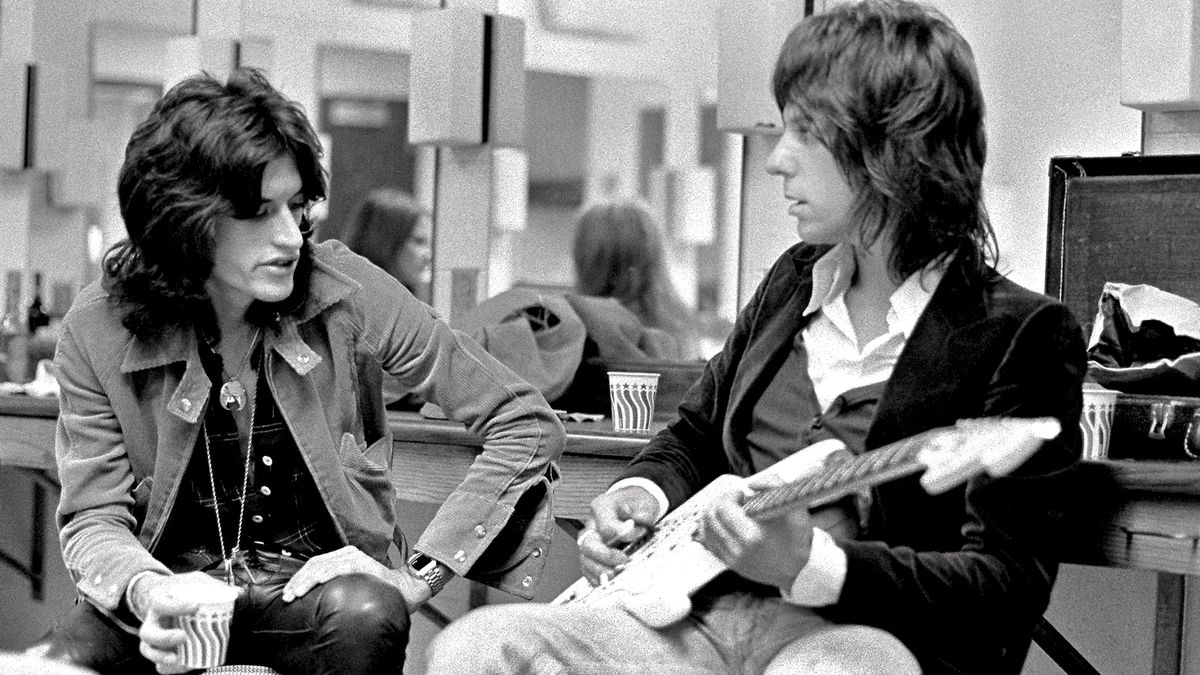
(599, 137)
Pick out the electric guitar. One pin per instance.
(667, 565)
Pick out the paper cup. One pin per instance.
(632, 396)
(207, 631)
(1099, 404)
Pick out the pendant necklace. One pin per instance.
(232, 396)
(234, 552)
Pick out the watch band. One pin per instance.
(429, 570)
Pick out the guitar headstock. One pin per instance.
(992, 445)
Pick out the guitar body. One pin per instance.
(669, 565)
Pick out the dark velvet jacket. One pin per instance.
(960, 578)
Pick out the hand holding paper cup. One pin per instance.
(632, 396)
(206, 630)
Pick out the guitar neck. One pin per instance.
(887, 463)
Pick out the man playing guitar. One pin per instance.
(887, 320)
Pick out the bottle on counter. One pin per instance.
(14, 342)
(36, 317)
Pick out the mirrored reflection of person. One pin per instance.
(391, 229)
(618, 253)
(221, 419)
(887, 320)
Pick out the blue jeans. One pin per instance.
(732, 633)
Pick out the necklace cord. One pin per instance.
(245, 488)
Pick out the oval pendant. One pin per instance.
(232, 396)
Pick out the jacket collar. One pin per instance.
(954, 329)
(781, 301)
(327, 286)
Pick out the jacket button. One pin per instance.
(267, 461)
(302, 359)
(185, 404)
(256, 519)
(461, 556)
(527, 582)
(480, 531)
(537, 552)
(266, 491)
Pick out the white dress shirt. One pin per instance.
(835, 365)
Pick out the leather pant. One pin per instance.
(349, 625)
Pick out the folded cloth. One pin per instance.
(537, 335)
(619, 334)
(1145, 341)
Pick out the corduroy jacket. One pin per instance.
(131, 411)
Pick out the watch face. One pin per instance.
(420, 561)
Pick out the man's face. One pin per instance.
(255, 258)
(818, 194)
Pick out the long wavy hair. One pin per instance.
(618, 253)
(890, 88)
(382, 225)
(197, 160)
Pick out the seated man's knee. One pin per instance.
(365, 606)
(845, 650)
(476, 642)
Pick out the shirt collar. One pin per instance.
(832, 273)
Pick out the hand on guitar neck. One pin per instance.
(761, 527)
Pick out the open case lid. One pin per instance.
(1131, 219)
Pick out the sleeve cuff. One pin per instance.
(820, 581)
(128, 595)
(649, 486)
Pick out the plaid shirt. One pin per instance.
(284, 511)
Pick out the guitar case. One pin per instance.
(1156, 428)
(1133, 219)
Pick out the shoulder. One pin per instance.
(94, 311)
(1008, 298)
(340, 275)
(92, 330)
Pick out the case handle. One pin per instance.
(1161, 415)
(1191, 440)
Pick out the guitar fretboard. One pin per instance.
(881, 465)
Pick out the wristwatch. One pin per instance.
(429, 570)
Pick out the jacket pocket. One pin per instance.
(374, 459)
(141, 500)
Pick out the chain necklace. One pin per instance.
(235, 551)
(233, 394)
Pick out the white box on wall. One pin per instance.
(446, 77)
(457, 97)
(749, 34)
(1160, 56)
(17, 86)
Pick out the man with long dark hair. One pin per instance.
(221, 417)
(885, 321)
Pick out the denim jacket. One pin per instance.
(130, 414)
